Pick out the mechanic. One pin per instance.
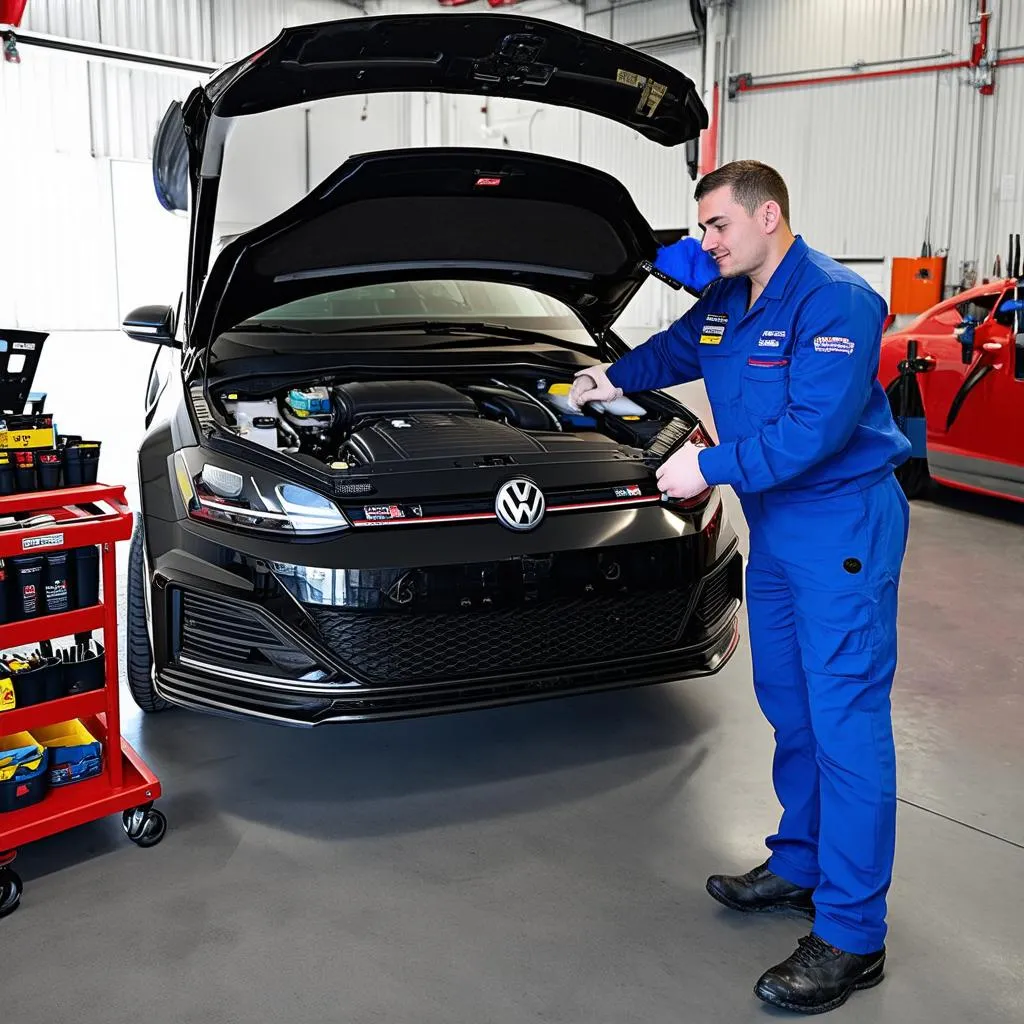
(787, 343)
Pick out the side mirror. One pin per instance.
(154, 324)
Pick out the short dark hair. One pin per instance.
(752, 184)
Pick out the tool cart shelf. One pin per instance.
(95, 514)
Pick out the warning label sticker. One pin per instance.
(49, 540)
(653, 94)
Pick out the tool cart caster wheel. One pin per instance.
(10, 891)
(144, 826)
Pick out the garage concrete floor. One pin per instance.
(545, 862)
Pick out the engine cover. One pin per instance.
(438, 435)
(363, 400)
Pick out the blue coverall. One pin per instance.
(808, 442)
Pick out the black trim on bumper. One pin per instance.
(211, 694)
(704, 639)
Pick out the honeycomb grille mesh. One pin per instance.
(392, 648)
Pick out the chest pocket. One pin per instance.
(765, 387)
(718, 368)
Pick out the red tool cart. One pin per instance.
(79, 519)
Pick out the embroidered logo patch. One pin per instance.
(771, 339)
(714, 329)
(827, 343)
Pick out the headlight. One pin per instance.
(217, 494)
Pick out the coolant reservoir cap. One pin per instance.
(559, 389)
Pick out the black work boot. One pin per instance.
(818, 977)
(761, 890)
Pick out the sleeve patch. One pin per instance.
(827, 343)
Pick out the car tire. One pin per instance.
(140, 654)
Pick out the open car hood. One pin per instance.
(482, 54)
(555, 226)
(491, 54)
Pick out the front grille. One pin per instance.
(395, 647)
(715, 598)
(221, 632)
(411, 700)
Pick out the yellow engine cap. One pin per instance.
(559, 389)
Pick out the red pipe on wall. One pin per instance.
(709, 138)
(982, 44)
(744, 84)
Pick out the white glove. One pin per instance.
(679, 476)
(593, 385)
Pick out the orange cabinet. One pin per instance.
(916, 283)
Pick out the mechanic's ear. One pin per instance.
(771, 216)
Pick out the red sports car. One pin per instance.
(955, 378)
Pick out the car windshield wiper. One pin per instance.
(274, 328)
(442, 327)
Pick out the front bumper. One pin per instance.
(307, 647)
(239, 699)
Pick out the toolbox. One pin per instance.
(33, 455)
(35, 679)
(23, 772)
(74, 753)
(63, 724)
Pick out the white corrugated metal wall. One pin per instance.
(651, 22)
(128, 101)
(872, 164)
(77, 138)
(782, 36)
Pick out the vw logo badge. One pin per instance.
(519, 505)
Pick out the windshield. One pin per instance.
(448, 301)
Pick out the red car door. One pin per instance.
(976, 410)
(937, 339)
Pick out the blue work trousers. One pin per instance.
(822, 583)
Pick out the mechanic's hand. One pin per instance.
(688, 263)
(593, 385)
(679, 476)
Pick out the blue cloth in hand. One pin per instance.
(688, 263)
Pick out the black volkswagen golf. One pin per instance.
(364, 492)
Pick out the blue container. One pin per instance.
(29, 781)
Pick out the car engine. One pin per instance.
(370, 423)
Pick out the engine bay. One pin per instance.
(360, 424)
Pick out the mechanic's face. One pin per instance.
(738, 241)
